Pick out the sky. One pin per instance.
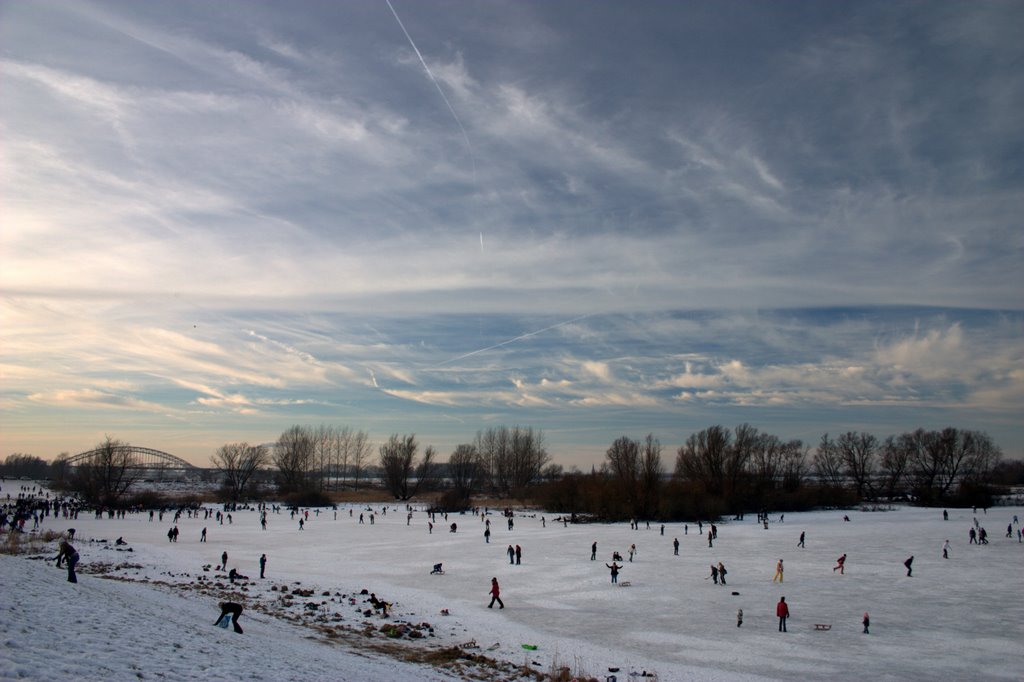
(596, 219)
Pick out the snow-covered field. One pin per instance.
(955, 619)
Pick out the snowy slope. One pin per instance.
(956, 619)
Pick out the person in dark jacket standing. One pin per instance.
(615, 572)
(495, 595)
(263, 565)
(867, 622)
(909, 563)
(593, 552)
(782, 611)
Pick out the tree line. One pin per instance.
(716, 471)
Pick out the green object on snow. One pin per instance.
(530, 647)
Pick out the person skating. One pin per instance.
(945, 549)
(840, 565)
(632, 551)
(675, 546)
(909, 563)
(230, 607)
(801, 543)
(495, 595)
(263, 565)
(593, 552)
(714, 574)
(721, 572)
(974, 537)
(710, 538)
(778, 572)
(519, 555)
(511, 554)
(615, 572)
(782, 611)
(739, 618)
(867, 622)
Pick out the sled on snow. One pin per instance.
(823, 626)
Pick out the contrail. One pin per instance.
(436, 85)
(518, 338)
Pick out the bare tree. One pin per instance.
(858, 452)
(403, 473)
(622, 462)
(359, 448)
(464, 468)
(650, 476)
(293, 457)
(827, 462)
(703, 458)
(893, 463)
(107, 476)
(514, 457)
(794, 466)
(237, 462)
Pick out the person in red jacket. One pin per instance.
(495, 595)
(782, 611)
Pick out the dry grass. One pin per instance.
(27, 543)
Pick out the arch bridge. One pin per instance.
(140, 458)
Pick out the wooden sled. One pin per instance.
(823, 626)
(624, 583)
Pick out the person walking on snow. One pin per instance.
(675, 546)
(714, 574)
(593, 551)
(945, 549)
(801, 543)
(867, 622)
(739, 618)
(840, 565)
(778, 572)
(519, 555)
(909, 564)
(495, 595)
(615, 572)
(782, 611)
(263, 565)
(511, 555)
(721, 572)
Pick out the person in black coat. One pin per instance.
(230, 607)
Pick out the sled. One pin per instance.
(225, 621)
(625, 583)
(530, 647)
(823, 626)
